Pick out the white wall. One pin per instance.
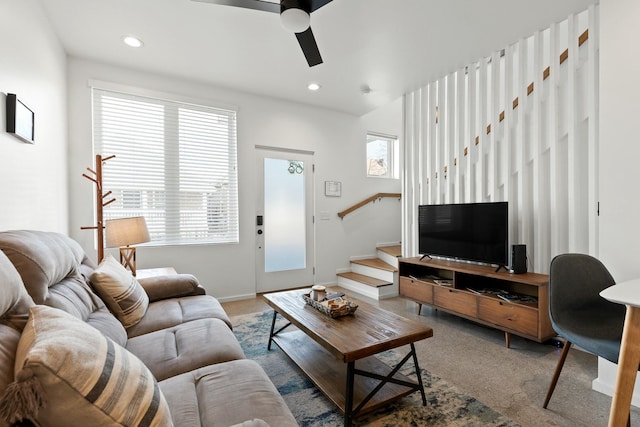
(619, 136)
(338, 140)
(33, 178)
(619, 150)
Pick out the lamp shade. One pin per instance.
(126, 231)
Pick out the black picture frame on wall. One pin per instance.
(20, 119)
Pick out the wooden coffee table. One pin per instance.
(338, 354)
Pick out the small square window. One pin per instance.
(382, 156)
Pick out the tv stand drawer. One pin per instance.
(509, 315)
(473, 294)
(416, 290)
(456, 300)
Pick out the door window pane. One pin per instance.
(284, 215)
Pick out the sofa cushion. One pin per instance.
(225, 394)
(175, 311)
(14, 313)
(85, 378)
(256, 422)
(14, 300)
(53, 268)
(9, 339)
(42, 258)
(186, 347)
(120, 291)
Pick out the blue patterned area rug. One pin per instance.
(446, 406)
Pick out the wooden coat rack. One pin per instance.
(100, 201)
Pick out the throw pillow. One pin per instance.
(120, 291)
(69, 374)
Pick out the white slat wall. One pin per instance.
(592, 112)
(470, 153)
(478, 135)
(533, 236)
(431, 192)
(458, 167)
(521, 204)
(555, 161)
(413, 148)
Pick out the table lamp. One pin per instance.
(124, 232)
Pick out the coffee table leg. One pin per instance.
(348, 400)
(273, 325)
(418, 375)
(273, 333)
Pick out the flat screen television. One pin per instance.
(470, 231)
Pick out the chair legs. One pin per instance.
(556, 374)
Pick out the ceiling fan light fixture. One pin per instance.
(295, 20)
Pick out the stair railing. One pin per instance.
(366, 201)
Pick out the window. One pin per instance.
(382, 156)
(175, 165)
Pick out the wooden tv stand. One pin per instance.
(467, 290)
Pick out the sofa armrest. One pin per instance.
(171, 286)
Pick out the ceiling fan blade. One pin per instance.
(309, 47)
(263, 5)
(317, 4)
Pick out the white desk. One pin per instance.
(627, 293)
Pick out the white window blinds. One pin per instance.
(176, 165)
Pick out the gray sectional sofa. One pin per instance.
(198, 373)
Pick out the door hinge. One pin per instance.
(314, 271)
(313, 167)
(313, 219)
(598, 208)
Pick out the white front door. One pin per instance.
(284, 220)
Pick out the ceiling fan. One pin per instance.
(295, 17)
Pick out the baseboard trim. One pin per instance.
(236, 298)
(328, 284)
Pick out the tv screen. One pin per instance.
(471, 231)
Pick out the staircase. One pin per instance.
(376, 278)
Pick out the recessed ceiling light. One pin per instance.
(313, 86)
(132, 41)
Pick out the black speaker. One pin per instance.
(518, 259)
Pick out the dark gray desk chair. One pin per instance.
(578, 313)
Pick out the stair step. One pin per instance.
(367, 280)
(395, 250)
(375, 263)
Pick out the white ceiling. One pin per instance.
(393, 46)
